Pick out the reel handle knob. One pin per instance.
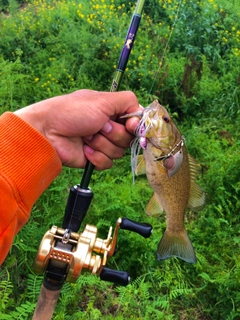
(118, 277)
(142, 228)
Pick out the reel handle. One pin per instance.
(142, 228)
(118, 277)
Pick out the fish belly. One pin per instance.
(172, 194)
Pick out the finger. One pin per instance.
(69, 150)
(132, 124)
(118, 134)
(102, 144)
(112, 103)
(125, 102)
(118, 103)
(98, 159)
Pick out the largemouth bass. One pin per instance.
(171, 172)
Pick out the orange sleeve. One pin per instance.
(28, 164)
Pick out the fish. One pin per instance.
(171, 173)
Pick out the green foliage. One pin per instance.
(14, 84)
(187, 54)
(25, 309)
(6, 290)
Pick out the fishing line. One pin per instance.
(165, 49)
(135, 145)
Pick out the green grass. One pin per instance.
(53, 47)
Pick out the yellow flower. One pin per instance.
(36, 79)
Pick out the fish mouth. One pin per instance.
(158, 141)
(146, 124)
(147, 130)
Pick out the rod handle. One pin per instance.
(77, 206)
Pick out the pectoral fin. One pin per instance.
(141, 166)
(176, 244)
(153, 207)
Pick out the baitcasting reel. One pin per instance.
(63, 254)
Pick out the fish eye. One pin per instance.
(166, 119)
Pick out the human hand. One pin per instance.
(85, 125)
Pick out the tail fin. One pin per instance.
(176, 245)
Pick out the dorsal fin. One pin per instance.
(195, 168)
(153, 207)
(197, 196)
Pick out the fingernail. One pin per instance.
(107, 127)
(134, 124)
(88, 149)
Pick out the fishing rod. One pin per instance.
(63, 252)
(122, 63)
(81, 195)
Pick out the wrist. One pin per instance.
(33, 116)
